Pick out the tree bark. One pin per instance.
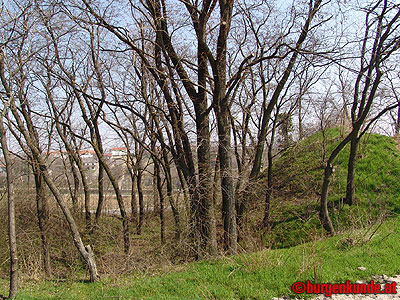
(85, 251)
(157, 176)
(75, 191)
(351, 166)
(323, 210)
(268, 194)
(100, 187)
(227, 188)
(12, 236)
(134, 213)
(141, 201)
(43, 217)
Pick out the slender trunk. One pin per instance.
(86, 191)
(174, 207)
(216, 183)
(12, 236)
(120, 201)
(43, 218)
(351, 169)
(100, 186)
(397, 125)
(134, 214)
(268, 195)
(141, 202)
(267, 110)
(323, 211)
(156, 202)
(184, 187)
(161, 197)
(85, 251)
(32, 142)
(300, 120)
(176, 215)
(75, 191)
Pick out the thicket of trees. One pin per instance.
(203, 93)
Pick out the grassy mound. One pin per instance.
(298, 175)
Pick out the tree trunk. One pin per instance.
(397, 123)
(43, 217)
(12, 236)
(134, 214)
(86, 191)
(268, 194)
(351, 169)
(32, 141)
(228, 193)
(141, 202)
(174, 207)
(323, 211)
(100, 186)
(267, 109)
(75, 191)
(184, 187)
(204, 214)
(85, 251)
(157, 176)
(156, 201)
(118, 195)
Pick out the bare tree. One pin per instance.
(16, 88)
(12, 236)
(380, 41)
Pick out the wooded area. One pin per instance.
(183, 107)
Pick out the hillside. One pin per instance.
(298, 174)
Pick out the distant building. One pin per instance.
(118, 152)
(87, 153)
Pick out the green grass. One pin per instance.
(261, 275)
(298, 175)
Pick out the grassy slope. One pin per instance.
(298, 178)
(261, 275)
